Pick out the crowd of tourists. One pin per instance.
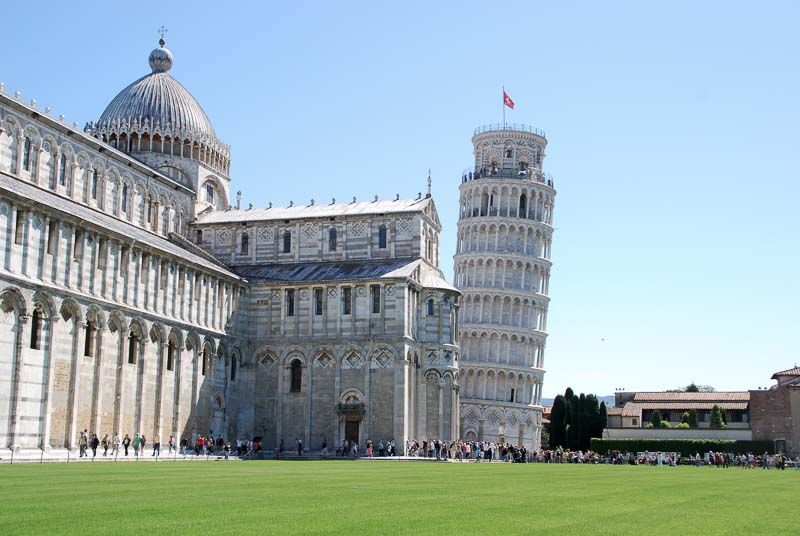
(460, 450)
(136, 446)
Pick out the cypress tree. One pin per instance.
(655, 419)
(557, 422)
(717, 420)
(692, 418)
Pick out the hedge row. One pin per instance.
(687, 447)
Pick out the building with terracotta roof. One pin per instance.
(775, 412)
(634, 409)
(761, 415)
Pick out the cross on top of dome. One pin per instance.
(161, 58)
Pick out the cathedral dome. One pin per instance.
(157, 108)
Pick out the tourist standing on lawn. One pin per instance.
(171, 443)
(144, 441)
(83, 441)
(105, 445)
(137, 442)
(157, 446)
(115, 445)
(126, 442)
(95, 443)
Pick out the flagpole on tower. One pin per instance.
(503, 106)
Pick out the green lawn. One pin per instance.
(361, 498)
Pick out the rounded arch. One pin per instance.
(158, 333)
(12, 299)
(96, 315)
(176, 337)
(71, 310)
(352, 395)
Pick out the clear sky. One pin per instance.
(673, 131)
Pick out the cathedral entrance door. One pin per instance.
(351, 431)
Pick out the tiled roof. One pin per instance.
(790, 372)
(121, 228)
(342, 271)
(634, 409)
(314, 211)
(614, 412)
(719, 396)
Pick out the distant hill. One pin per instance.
(609, 400)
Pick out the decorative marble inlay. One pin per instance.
(382, 358)
(357, 229)
(265, 234)
(324, 360)
(309, 231)
(224, 237)
(352, 360)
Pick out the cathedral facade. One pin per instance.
(134, 298)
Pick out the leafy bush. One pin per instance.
(665, 424)
(683, 425)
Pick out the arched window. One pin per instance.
(382, 237)
(62, 170)
(171, 348)
(430, 306)
(89, 337)
(36, 329)
(26, 154)
(523, 206)
(245, 243)
(297, 376)
(94, 184)
(124, 198)
(204, 368)
(133, 347)
(287, 242)
(234, 361)
(332, 239)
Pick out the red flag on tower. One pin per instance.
(507, 100)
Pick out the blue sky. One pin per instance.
(673, 133)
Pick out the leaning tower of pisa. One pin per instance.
(502, 266)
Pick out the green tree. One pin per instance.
(575, 420)
(692, 388)
(717, 418)
(655, 419)
(685, 418)
(558, 422)
(692, 418)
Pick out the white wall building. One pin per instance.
(134, 298)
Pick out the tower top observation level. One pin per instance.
(508, 151)
(515, 127)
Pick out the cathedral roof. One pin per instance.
(315, 211)
(158, 104)
(344, 271)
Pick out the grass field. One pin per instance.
(358, 498)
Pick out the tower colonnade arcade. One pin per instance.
(502, 266)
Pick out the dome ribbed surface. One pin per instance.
(162, 101)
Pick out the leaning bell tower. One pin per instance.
(502, 267)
